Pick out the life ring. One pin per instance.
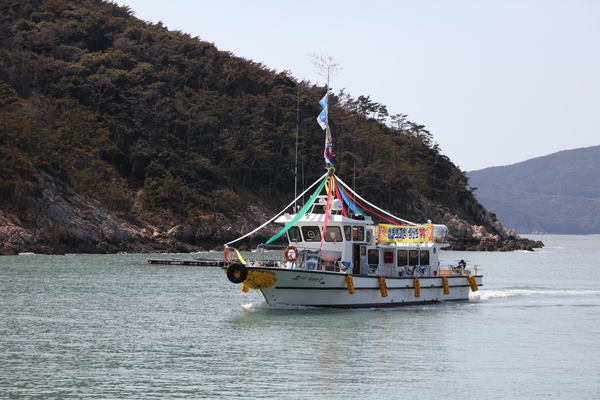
(290, 253)
(226, 254)
(237, 273)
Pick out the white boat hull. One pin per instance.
(322, 289)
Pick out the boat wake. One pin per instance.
(529, 292)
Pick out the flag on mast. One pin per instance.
(328, 147)
(323, 120)
(325, 100)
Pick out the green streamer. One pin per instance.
(301, 213)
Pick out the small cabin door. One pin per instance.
(360, 267)
(356, 259)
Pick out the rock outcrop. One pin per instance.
(59, 222)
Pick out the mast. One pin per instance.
(329, 69)
(296, 164)
(323, 120)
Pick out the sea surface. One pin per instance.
(116, 327)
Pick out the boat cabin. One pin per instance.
(354, 244)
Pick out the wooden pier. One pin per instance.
(199, 262)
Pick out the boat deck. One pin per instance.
(446, 272)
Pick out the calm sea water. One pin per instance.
(113, 326)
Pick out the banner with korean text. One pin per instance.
(405, 233)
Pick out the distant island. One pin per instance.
(118, 135)
(558, 193)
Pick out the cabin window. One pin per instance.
(402, 258)
(348, 232)
(294, 234)
(311, 233)
(373, 257)
(358, 233)
(413, 257)
(333, 234)
(424, 257)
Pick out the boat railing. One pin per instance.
(267, 256)
(453, 270)
(293, 257)
(415, 271)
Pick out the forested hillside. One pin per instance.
(114, 115)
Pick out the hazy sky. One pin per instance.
(496, 82)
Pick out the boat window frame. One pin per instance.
(337, 231)
(298, 237)
(348, 232)
(403, 257)
(413, 255)
(373, 256)
(424, 255)
(311, 228)
(358, 233)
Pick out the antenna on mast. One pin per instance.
(327, 68)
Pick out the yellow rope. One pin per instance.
(446, 285)
(259, 280)
(473, 283)
(383, 287)
(350, 284)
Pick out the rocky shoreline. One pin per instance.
(61, 223)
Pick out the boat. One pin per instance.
(342, 251)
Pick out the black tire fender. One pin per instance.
(237, 273)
